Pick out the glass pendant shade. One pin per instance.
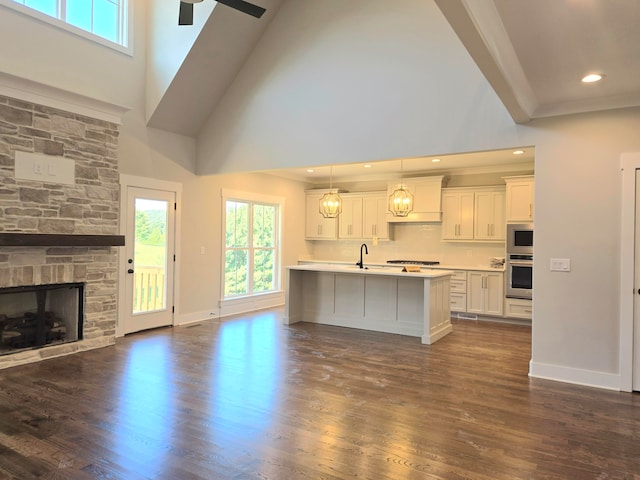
(401, 202)
(330, 205)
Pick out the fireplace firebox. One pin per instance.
(36, 316)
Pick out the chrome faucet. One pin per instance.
(366, 250)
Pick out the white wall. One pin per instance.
(202, 227)
(332, 82)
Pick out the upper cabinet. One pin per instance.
(489, 215)
(317, 227)
(457, 214)
(427, 194)
(519, 200)
(473, 214)
(363, 217)
(374, 216)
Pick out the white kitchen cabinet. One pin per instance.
(427, 198)
(489, 223)
(518, 308)
(458, 291)
(485, 293)
(316, 226)
(473, 214)
(374, 216)
(519, 199)
(350, 220)
(363, 216)
(457, 215)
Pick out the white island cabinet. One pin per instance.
(379, 299)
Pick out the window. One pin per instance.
(105, 18)
(252, 245)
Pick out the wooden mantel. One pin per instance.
(59, 240)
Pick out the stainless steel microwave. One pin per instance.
(520, 238)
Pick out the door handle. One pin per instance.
(130, 270)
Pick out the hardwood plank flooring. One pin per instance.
(251, 398)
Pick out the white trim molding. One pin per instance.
(629, 164)
(576, 376)
(54, 97)
(151, 184)
(251, 303)
(195, 317)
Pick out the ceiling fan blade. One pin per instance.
(186, 14)
(244, 7)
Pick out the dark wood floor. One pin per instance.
(250, 398)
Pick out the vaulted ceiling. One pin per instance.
(533, 53)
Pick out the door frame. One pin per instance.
(127, 181)
(629, 163)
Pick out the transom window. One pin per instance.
(252, 246)
(105, 18)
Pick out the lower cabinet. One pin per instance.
(518, 308)
(458, 295)
(485, 293)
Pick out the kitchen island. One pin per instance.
(379, 299)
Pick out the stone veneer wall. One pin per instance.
(91, 206)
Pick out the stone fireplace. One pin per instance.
(56, 214)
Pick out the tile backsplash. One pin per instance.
(421, 241)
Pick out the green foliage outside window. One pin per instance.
(250, 248)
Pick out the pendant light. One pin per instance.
(330, 203)
(401, 200)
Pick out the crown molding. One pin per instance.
(54, 97)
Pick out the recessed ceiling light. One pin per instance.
(518, 152)
(310, 170)
(592, 77)
(435, 160)
(367, 166)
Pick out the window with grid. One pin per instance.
(251, 253)
(105, 18)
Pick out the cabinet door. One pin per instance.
(316, 226)
(485, 293)
(489, 216)
(520, 201)
(457, 222)
(374, 217)
(350, 220)
(494, 294)
(475, 292)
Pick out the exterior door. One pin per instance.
(150, 259)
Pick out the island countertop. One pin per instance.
(370, 270)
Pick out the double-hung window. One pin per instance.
(105, 19)
(251, 244)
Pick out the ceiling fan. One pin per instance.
(186, 9)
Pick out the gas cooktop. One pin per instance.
(413, 262)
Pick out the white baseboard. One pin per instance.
(589, 378)
(250, 304)
(194, 317)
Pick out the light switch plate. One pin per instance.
(45, 168)
(560, 265)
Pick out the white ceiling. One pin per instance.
(535, 52)
(532, 52)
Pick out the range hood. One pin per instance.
(427, 200)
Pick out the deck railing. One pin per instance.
(149, 289)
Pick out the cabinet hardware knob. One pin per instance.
(130, 270)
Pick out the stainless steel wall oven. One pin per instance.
(520, 260)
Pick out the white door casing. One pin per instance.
(132, 314)
(629, 367)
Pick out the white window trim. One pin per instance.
(55, 22)
(230, 194)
